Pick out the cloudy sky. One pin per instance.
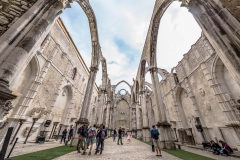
(122, 29)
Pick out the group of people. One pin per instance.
(225, 150)
(120, 135)
(88, 135)
(64, 135)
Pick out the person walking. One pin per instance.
(80, 143)
(64, 134)
(70, 134)
(129, 136)
(92, 132)
(155, 138)
(82, 137)
(114, 134)
(103, 134)
(120, 136)
(97, 137)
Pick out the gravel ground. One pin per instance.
(135, 150)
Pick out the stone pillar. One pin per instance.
(100, 107)
(34, 121)
(222, 30)
(20, 125)
(145, 128)
(167, 141)
(22, 52)
(108, 115)
(138, 120)
(88, 96)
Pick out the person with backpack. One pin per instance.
(70, 134)
(92, 132)
(155, 138)
(120, 136)
(82, 131)
(64, 134)
(103, 134)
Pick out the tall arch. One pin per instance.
(123, 81)
(96, 49)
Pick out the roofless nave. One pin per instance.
(43, 77)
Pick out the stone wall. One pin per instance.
(50, 76)
(197, 95)
(11, 10)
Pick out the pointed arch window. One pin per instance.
(74, 72)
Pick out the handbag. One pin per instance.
(153, 148)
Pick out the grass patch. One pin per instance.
(182, 154)
(47, 154)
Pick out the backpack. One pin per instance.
(80, 130)
(91, 133)
(155, 134)
(102, 134)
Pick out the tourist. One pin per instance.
(119, 136)
(155, 138)
(103, 134)
(70, 134)
(92, 132)
(114, 134)
(64, 134)
(129, 136)
(98, 138)
(216, 148)
(82, 131)
(226, 149)
(80, 139)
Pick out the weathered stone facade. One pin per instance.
(41, 68)
(49, 83)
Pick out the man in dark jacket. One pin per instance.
(120, 136)
(102, 134)
(70, 134)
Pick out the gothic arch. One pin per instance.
(96, 49)
(123, 81)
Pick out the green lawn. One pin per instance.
(47, 154)
(182, 154)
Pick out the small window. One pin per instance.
(74, 72)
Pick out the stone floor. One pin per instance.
(135, 150)
(21, 148)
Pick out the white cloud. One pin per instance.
(127, 22)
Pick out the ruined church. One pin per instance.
(44, 81)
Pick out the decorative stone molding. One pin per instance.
(64, 92)
(11, 11)
(201, 92)
(34, 129)
(208, 108)
(185, 94)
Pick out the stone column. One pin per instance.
(88, 96)
(167, 141)
(222, 30)
(100, 107)
(138, 120)
(34, 121)
(22, 52)
(108, 115)
(20, 125)
(145, 128)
